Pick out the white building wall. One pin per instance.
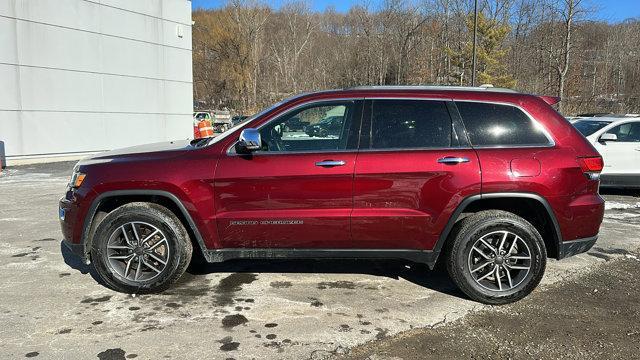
(91, 75)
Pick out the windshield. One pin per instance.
(588, 127)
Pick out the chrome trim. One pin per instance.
(250, 139)
(453, 160)
(330, 163)
(536, 123)
(453, 148)
(301, 152)
(231, 149)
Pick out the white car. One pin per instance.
(617, 138)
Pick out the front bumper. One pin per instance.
(68, 215)
(76, 249)
(574, 247)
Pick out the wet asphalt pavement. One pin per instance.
(51, 305)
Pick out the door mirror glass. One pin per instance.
(608, 137)
(249, 141)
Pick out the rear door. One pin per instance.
(412, 170)
(297, 191)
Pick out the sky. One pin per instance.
(607, 10)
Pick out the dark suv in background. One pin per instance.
(489, 181)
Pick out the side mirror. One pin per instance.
(608, 137)
(249, 141)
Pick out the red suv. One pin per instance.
(489, 181)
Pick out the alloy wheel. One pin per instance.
(138, 251)
(499, 261)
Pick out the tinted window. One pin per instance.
(321, 127)
(587, 127)
(629, 132)
(410, 124)
(493, 124)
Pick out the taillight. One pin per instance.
(591, 166)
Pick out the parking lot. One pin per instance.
(51, 305)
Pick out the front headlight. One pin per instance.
(76, 178)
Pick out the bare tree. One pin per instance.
(247, 55)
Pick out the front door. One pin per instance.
(411, 172)
(297, 191)
(621, 157)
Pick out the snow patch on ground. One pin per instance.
(621, 216)
(13, 177)
(611, 205)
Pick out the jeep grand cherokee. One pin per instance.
(489, 181)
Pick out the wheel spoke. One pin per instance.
(513, 244)
(149, 236)
(152, 255)
(481, 253)
(119, 247)
(151, 267)
(158, 244)
(120, 257)
(481, 267)
(508, 277)
(126, 270)
(135, 233)
(502, 241)
(139, 269)
(518, 257)
(516, 267)
(126, 237)
(493, 249)
(486, 275)
(497, 277)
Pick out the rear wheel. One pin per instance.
(496, 257)
(140, 248)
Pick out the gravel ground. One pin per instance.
(593, 316)
(52, 307)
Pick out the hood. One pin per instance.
(167, 149)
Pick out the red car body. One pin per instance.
(403, 201)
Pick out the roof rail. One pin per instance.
(432, 87)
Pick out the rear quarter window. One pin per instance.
(500, 125)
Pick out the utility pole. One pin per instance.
(475, 42)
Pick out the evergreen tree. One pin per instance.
(490, 54)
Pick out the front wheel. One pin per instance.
(140, 248)
(496, 257)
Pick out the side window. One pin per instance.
(410, 124)
(320, 127)
(494, 124)
(629, 132)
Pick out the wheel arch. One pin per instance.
(110, 200)
(530, 206)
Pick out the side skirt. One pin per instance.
(417, 256)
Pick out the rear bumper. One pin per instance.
(574, 247)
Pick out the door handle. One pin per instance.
(451, 160)
(330, 163)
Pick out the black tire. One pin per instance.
(178, 242)
(484, 223)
